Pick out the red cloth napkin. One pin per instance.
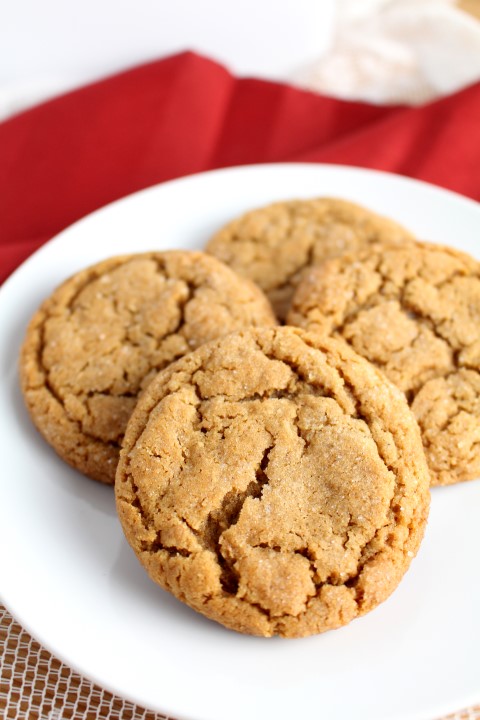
(185, 114)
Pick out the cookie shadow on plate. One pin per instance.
(132, 587)
(52, 468)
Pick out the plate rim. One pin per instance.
(470, 202)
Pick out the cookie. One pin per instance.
(415, 313)
(95, 344)
(274, 244)
(275, 482)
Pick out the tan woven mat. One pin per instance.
(36, 686)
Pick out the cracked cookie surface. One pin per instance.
(275, 482)
(273, 245)
(94, 345)
(415, 313)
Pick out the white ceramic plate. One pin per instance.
(69, 577)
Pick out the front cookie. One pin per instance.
(274, 482)
(94, 345)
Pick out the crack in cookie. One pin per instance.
(223, 519)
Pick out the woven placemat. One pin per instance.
(36, 686)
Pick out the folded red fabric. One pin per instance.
(185, 114)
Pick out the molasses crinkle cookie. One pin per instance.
(274, 244)
(415, 313)
(95, 344)
(275, 482)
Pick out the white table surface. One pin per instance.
(51, 46)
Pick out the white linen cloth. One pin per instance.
(398, 51)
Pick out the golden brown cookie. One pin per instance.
(415, 313)
(274, 244)
(275, 482)
(95, 344)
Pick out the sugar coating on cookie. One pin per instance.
(95, 344)
(273, 245)
(275, 482)
(415, 313)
